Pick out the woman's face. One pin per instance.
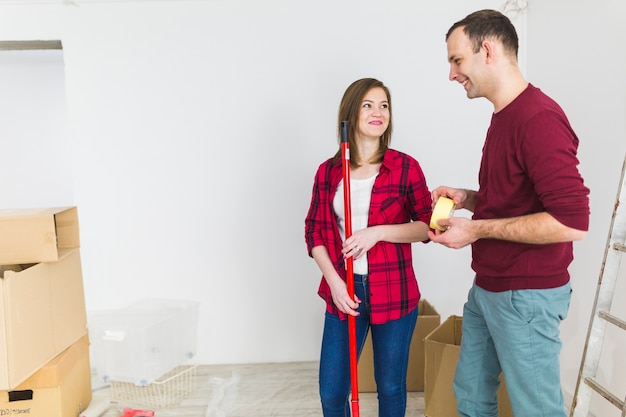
(374, 114)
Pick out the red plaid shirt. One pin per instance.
(400, 195)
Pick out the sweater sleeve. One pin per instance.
(549, 148)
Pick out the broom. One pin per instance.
(345, 165)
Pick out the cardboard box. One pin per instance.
(42, 313)
(61, 388)
(427, 320)
(37, 235)
(443, 346)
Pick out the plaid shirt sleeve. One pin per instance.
(320, 225)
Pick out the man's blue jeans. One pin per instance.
(390, 342)
(517, 333)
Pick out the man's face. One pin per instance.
(465, 65)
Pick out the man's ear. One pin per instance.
(488, 46)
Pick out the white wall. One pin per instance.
(35, 167)
(195, 128)
(572, 55)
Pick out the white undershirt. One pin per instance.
(360, 196)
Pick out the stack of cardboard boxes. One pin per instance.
(44, 345)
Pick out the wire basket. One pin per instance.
(167, 390)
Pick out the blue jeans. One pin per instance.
(390, 343)
(516, 333)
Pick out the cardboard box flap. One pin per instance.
(67, 289)
(12, 268)
(27, 321)
(458, 330)
(424, 308)
(449, 332)
(68, 236)
(51, 374)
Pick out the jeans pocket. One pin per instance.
(522, 302)
(562, 297)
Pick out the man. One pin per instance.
(530, 206)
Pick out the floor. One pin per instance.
(248, 390)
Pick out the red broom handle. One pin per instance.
(345, 165)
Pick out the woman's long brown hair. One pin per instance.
(349, 110)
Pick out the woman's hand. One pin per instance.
(342, 299)
(338, 287)
(360, 242)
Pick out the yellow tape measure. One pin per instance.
(444, 209)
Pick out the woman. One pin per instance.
(391, 207)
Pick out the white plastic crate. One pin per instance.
(168, 390)
(141, 343)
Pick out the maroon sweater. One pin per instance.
(529, 165)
